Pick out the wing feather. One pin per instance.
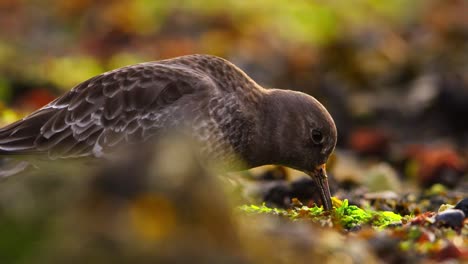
(124, 105)
(113, 106)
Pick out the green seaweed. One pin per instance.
(350, 216)
(345, 215)
(259, 209)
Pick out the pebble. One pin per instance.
(463, 205)
(451, 218)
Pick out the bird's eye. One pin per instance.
(317, 136)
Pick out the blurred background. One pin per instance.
(393, 74)
(397, 65)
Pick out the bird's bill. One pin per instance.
(319, 175)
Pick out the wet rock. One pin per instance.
(451, 218)
(281, 193)
(463, 205)
(273, 193)
(305, 189)
(278, 194)
(436, 202)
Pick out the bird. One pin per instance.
(214, 100)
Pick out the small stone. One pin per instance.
(451, 218)
(278, 194)
(463, 205)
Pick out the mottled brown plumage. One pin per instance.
(220, 105)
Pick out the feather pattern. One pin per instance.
(225, 110)
(133, 103)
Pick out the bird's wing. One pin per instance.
(122, 105)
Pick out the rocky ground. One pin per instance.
(135, 209)
(393, 75)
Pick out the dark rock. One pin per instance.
(448, 177)
(436, 201)
(278, 194)
(463, 205)
(304, 189)
(451, 218)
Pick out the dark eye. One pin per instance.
(317, 136)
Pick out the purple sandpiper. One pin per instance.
(225, 110)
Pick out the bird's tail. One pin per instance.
(18, 138)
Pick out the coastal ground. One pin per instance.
(393, 75)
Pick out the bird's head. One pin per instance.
(297, 132)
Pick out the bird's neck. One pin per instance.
(267, 135)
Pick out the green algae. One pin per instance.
(343, 214)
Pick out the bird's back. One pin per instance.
(133, 103)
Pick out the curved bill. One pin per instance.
(319, 175)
